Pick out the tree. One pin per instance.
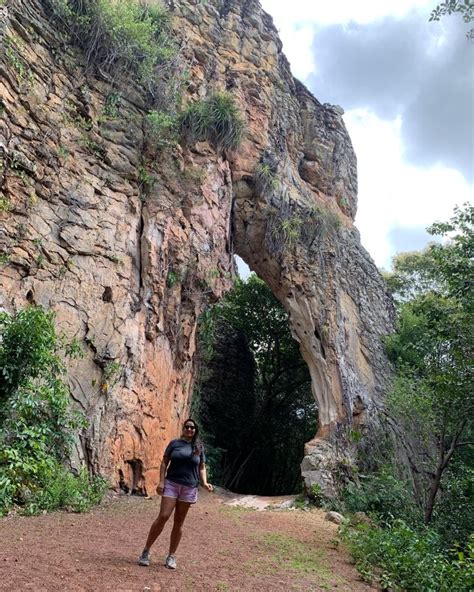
(432, 348)
(255, 400)
(465, 8)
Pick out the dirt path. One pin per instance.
(224, 548)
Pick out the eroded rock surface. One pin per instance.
(129, 246)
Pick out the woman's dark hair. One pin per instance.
(196, 443)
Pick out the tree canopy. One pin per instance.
(254, 400)
(433, 346)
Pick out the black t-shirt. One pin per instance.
(184, 465)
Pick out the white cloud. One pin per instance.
(324, 12)
(296, 21)
(297, 39)
(242, 267)
(396, 198)
(393, 193)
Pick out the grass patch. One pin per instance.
(235, 513)
(235, 510)
(216, 119)
(293, 554)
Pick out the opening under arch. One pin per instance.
(253, 398)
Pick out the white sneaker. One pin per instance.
(170, 562)
(144, 559)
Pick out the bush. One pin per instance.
(28, 341)
(316, 496)
(161, 130)
(119, 37)
(62, 489)
(382, 495)
(453, 517)
(36, 424)
(217, 119)
(403, 559)
(34, 436)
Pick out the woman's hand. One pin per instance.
(208, 486)
(159, 488)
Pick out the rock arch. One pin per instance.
(338, 310)
(128, 276)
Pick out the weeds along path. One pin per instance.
(224, 548)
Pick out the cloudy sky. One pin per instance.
(406, 86)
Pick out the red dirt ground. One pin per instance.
(223, 549)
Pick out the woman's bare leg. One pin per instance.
(179, 516)
(166, 508)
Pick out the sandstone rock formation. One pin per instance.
(128, 247)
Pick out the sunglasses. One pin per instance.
(189, 427)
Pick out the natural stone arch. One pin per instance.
(339, 317)
(337, 303)
(161, 254)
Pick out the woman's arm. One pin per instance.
(203, 475)
(164, 465)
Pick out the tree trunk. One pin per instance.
(433, 492)
(443, 463)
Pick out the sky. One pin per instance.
(406, 86)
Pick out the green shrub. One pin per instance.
(401, 558)
(35, 437)
(453, 517)
(217, 119)
(161, 129)
(383, 495)
(62, 489)
(36, 424)
(265, 179)
(119, 37)
(316, 495)
(5, 204)
(112, 105)
(28, 344)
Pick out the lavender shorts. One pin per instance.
(183, 493)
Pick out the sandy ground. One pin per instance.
(224, 548)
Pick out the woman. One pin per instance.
(181, 467)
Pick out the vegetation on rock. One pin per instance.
(265, 178)
(162, 129)
(216, 119)
(120, 37)
(292, 225)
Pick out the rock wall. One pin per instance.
(128, 246)
(126, 254)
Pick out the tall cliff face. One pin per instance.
(128, 254)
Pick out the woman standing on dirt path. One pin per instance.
(182, 465)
